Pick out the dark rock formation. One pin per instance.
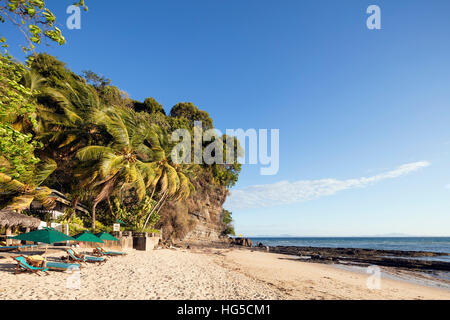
(390, 258)
(245, 242)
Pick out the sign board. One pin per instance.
(116, 227)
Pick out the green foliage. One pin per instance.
(99, 227)
(76, 225)
(53, 70)
(226, 175)
(96, 80)
(150, 105)
(136, 214)
(34, 21)
(106, 147)
(17, 105)
(17, 194)
(228, 223)
(16, 152)
(188, 111)
(16, 100)
(21, 172)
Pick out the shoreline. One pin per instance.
(395, 284)
(357, 260)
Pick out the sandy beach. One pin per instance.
(204, 274)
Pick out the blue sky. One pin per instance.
(350, 103)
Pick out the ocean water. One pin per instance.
(433, 244)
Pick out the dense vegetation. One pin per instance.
(88, 139)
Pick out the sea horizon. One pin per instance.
(362, 236)
(429, 244)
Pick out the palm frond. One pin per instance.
(43, 195)
(42, 170)
(172, 179)
(21, 202)
(110, 164)
(94, 153)
(140, 186)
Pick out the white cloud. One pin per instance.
(285, 192)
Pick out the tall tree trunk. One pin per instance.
(162, 205)
(93, 215)
(153, 192)
(153, 210)
(104, 193)
(74, 208)
(110, 206)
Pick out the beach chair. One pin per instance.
(23, 266)
(74, 257)
(9, 248)
(101, 252)
(16, 248)
(59, 266)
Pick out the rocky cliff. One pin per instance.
(197, 219)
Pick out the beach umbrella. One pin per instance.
(106, 236)
(46, 235)
(121, 222)
(87, 236)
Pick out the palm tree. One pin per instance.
(65, 126)
(18, 195)
(67, 120)
(171, 180)
(123, 163)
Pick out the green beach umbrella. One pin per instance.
(46, 235)
(87, 236)
(106, 236)
(121, 222)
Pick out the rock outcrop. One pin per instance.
(364, 257)
(245, 242)
(197, 219)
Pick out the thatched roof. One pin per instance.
(9, 218)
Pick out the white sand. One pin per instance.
(207, 274)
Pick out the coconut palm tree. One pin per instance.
(123, 163)
(17, 194)
(66, 118)
(171, 179)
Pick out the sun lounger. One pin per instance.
(59, 266)
(75, 257)
(23, 266)
(16, 248)
(8, 248)
(101, 252)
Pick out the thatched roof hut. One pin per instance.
(11, 219)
